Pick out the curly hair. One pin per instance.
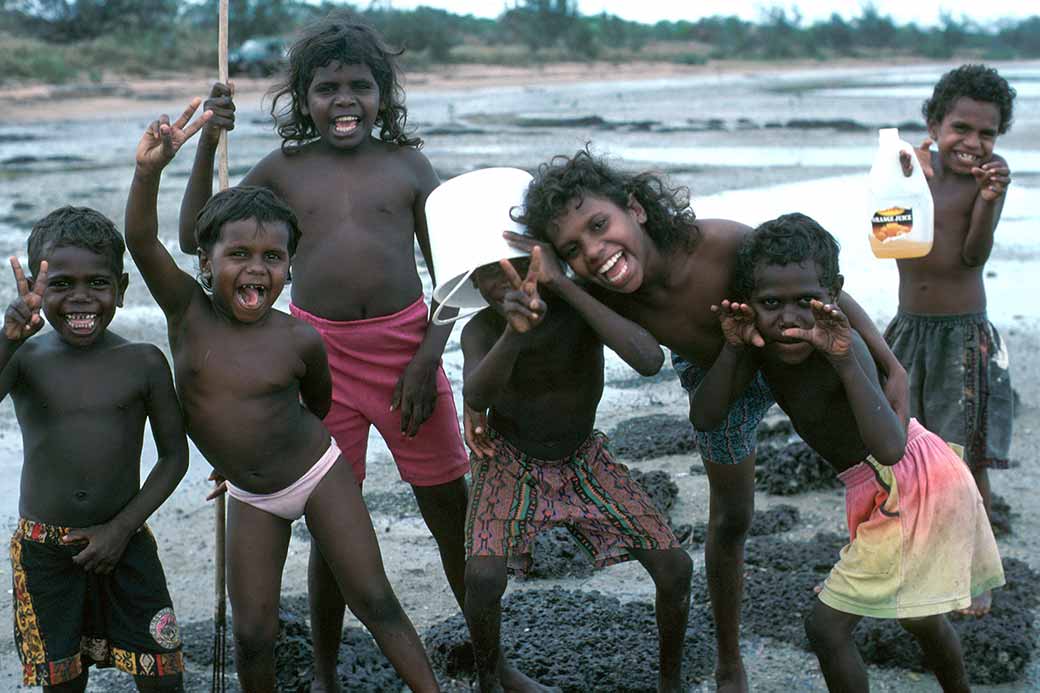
(976, 82)
(339, 37)
(791, 238)
(79, 227)
(243, 202)
(669, 219)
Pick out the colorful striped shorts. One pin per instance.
(515, 496)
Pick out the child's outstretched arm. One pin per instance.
(881, 430)
(635, 345)
(897, 383)
(993, 178)
(200, 183)
(21, 321)
(107, 542)
(171, 287)
(733, 369)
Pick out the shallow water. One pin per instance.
(726, 135)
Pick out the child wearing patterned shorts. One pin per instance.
(538, 366)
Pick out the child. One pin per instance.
(88, 584)
(644, 255)
(920, 544)
(254, 383)
(361, 204)
(960, 387)
(538, 365)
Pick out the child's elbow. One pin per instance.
(650, 363)
(892, 452)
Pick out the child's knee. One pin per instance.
(672, 573)
(378, 605)
(254, 640)
(819, 631)
(926, 626)
(731, 523)
(485, 579)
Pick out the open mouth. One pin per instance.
(346, 125)
(970, 159)
(615, 270)
(251, 296)
(81, 323)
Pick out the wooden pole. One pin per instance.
(220, 609)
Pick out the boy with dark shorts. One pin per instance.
(960, 386)
(538, 366)
(88, 584)
(358, 183)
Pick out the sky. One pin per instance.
(921, 12)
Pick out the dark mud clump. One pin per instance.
(663, 491)
(785, 470)
(656, 435)
(776, 520)
(779, 583)
(1000, 515)
(362, 666)
(578, 641)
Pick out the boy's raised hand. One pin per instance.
(993, 178)
(923, 154)
(831, 332)
(737, 321)
(221, 104)
(550, 268)
(22, 319)
(523, 307)
(163, 139)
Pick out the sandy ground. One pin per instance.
(184, 524)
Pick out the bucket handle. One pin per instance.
(436, 314)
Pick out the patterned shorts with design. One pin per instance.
(515, 496)
(66, 619)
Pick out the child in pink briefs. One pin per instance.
(254, 385)
(920, 544)
(358, 183)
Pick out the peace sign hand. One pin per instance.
(22, 319)
(162, 140)
(831, 332)
(523, 307)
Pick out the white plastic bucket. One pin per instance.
(465, 217)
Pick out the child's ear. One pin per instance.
(839, 284)
(123, 282)
(636, 209)
(933, 131)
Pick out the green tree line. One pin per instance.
(53, 40)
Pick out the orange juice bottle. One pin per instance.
(901, 210)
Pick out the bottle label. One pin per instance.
(892, 223)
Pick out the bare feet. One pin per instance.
(516, 681)
(731, 681)
(980, 605)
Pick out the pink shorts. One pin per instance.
(290, 502)
(366, 358)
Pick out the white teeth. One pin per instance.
(610, 263)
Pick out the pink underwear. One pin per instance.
(291, 500)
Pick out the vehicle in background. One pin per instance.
(261, 56)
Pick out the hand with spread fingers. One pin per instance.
(737, 321)
(923, 154)
(993, 178)
(550, 267)
(105, 545)
(830, 333)
(22, 319)
(523, 307)
(163, 139)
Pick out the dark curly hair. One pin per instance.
(669, 219)
(243, 202)
(339, 37)
(791, 238)
(79, 227)
(976, 82)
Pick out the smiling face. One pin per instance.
(81, 295)
(249, 264)
(781, 299)
(343, 102)
(967, 134)
(604, 243)
(493, 284)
